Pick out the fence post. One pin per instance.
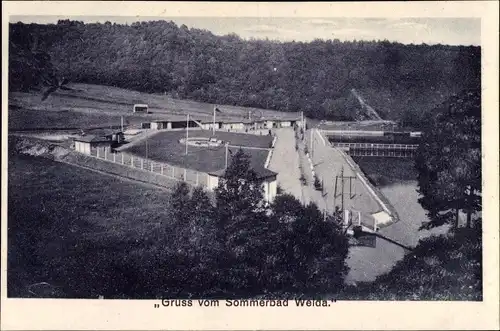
(142, 164)
(185, 175)
(162, 169)
(123, 162)
(114, 157)
(152, 165)
(97, 151)
(105, 153)
(197, 173)
(173, 172)
(131, 161)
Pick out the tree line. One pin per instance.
(245, 248)
(401, 81)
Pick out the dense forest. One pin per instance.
(401, 82)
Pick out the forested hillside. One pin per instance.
(400, 81)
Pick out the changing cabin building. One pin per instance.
(85, 144)
(141, 108)
(264, 175)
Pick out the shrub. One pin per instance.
(279, 189)
(317, 183)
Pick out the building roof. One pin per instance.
(140, 105)
(91, 139)
(232, 121)
(262, 173)
(103, 132)
(284, 117)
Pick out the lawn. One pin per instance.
(165, 147)
(80, 231)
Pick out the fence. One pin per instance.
(353, 217)
(368, 149)
(190, 176)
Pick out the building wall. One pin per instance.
(161, 125)
(286, 124)
(82, 147)
(269, 186)
(213, 182)
(233, 126)
(210, 126)
(270, 189)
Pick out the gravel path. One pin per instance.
(285, 161)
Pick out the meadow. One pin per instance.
(76, 228)
(165, 147)
(87, 105)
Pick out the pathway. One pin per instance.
(285, 161)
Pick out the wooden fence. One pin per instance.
(190, 176)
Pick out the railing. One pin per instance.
(375, 146)
(385, 150)
(172, 172)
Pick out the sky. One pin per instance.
(450, 31)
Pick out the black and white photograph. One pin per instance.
(244, 161)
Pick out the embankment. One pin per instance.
(56, 152)
(374, 191)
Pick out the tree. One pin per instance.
(240, 223)
(449, 161)
(239, 196)
(201, 224)
(309, 253)
(313, 77)
(178, 228)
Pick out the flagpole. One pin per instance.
(187, 133)
(122, 122)
(227, 147)
(213, 125)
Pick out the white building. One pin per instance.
(265, 176)
(141, 108)
(85, 144)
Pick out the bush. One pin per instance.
(317, 184)
(446, 267)
(279, 189)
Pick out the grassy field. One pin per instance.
(384, 171)
(165, 147)
(77, 229)
(89, 105)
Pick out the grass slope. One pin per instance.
(88, 105)
(75, 228)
